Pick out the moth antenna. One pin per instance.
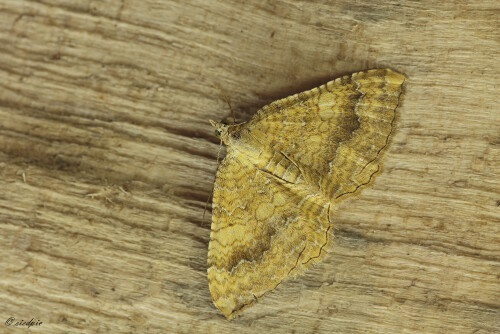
(227, 100)
(213, 185)
(205, 208)
(232, 111)
(218, 153)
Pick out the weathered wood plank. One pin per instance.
(107, 159)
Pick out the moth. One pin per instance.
(284, 172)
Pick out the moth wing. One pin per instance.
(336, 133)
(264, 230)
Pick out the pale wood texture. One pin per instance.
(107, 159)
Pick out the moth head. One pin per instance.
(221, 129)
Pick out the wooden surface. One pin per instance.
(107, 159)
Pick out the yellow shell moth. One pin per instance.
(284, 171)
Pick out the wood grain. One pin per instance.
(107, 159)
